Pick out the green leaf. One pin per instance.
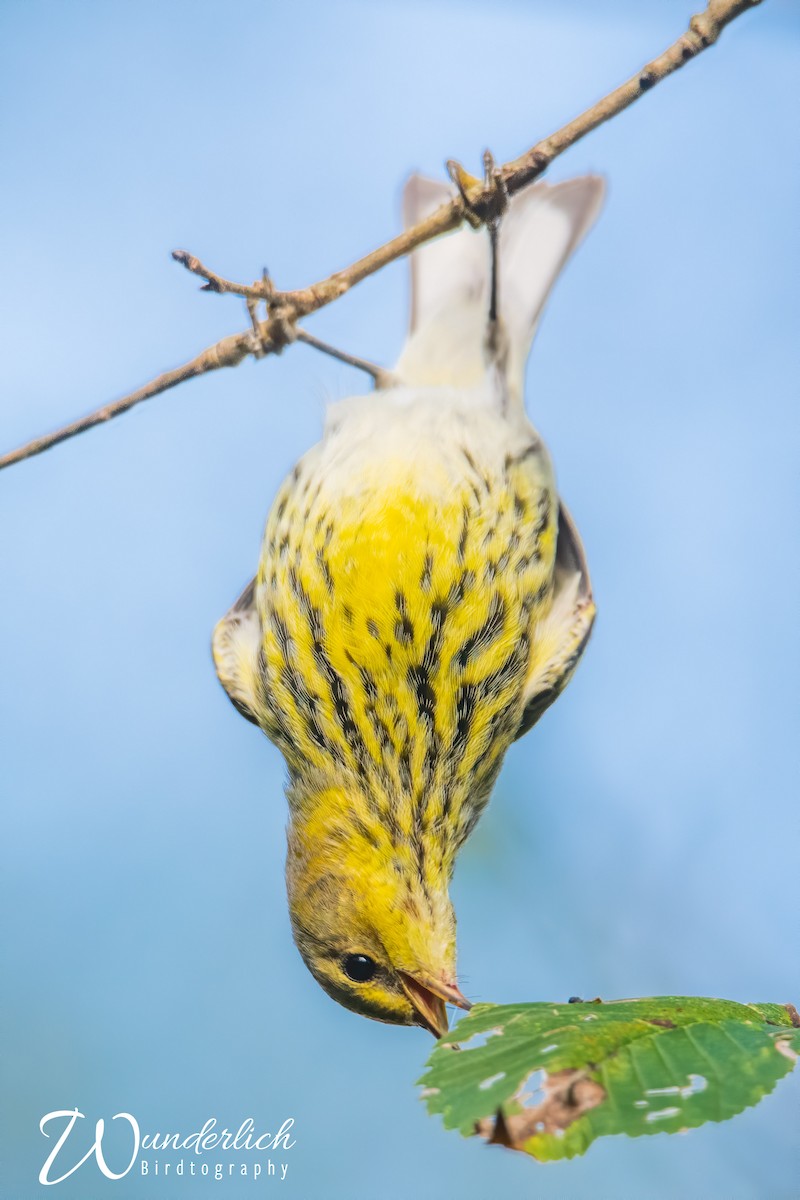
(550, 1078)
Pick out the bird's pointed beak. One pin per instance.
(428, 997)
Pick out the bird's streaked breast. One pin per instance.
(397, 620)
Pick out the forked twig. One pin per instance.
(477, 201)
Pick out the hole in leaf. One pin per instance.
(532, 1092)
(559, 1099)
(480, 1039)
(697, 1083)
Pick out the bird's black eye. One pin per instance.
(359, 968)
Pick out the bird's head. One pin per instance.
(374, 927)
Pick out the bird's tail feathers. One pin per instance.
(450, 279)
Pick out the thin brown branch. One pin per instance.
(703, 31)
(477, 202)
(227, 353)
(381, 376)
(262, 289)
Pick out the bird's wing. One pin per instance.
(560, 639)
(235, 645)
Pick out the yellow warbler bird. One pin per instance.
(421, 598)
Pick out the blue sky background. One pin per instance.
(643, 839)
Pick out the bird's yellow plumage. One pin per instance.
(397, 627)
(419, 598)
